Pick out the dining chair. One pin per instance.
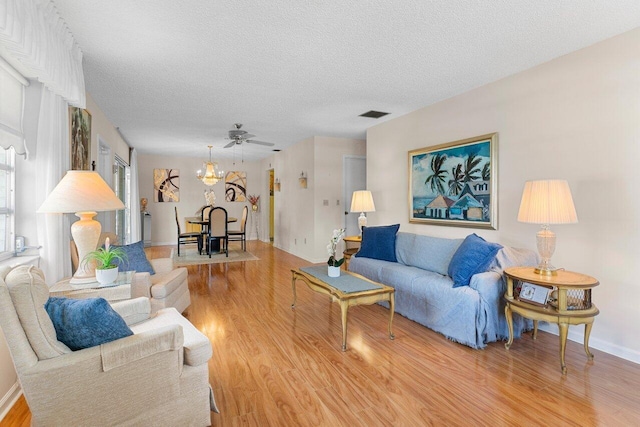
(240, 235)
(218, 229)
(187, 238)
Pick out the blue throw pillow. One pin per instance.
(84, 323)
(136, 259)
(379, 242)
(473, 256)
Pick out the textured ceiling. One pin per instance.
(175, 75)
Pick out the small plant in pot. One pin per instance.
(104, 258)
(333, 263)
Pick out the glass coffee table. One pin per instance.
(117, 291)
(348, 289)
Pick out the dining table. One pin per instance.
(204, 229)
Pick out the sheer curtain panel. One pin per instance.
(12, 86)
(37, 42)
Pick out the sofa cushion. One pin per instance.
(84, 323)
(473, 256)
(197, 347)
(29, 293)
(136, 259)
(379, 242)
(426, 252)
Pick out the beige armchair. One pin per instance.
(158, 376)
(167, 288)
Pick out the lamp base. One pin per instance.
(362, 221)
(546, 242)
(85, 233)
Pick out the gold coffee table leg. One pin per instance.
(392, 307)
(344, 308)
(293, 287)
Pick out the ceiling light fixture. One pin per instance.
(212, 174)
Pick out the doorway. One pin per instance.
(355, 178)
(272, 210)
(122, 178)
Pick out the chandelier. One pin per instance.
(211, 173)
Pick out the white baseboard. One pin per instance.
(9, 399)
(577, 335)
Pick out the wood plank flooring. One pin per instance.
(273, 366)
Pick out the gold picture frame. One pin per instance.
(80, 138)
(456, 183)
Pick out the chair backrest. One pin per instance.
(243, 221)
(218, 222)
(205, 212)
(177, 221)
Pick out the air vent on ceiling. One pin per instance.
(373, 114)
(275, 149)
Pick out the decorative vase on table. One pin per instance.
(107, 275)
(333, 271)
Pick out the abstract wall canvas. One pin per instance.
(80, 138)
(235, 187)
(455, 183)
(166, 185)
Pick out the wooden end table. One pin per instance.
(569, 304)
(374, 293)
(352, 247)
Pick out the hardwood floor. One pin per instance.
(275, 366)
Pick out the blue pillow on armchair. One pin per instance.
(379, 242)
(84, 323)
(473, 256)
(136, 259)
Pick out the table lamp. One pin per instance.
(84, 193)
(362, 201)
(547, 202)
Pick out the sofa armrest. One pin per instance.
(162, 265)
(488, 284)
(133, 310)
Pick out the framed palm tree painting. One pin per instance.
(455, 183)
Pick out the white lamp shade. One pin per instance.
(362, 201)
(547, 202)
(81, 191)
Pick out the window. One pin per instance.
(7, 181)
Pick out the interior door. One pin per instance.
(355, 178)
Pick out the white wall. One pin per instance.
(163, 223)
(576, 118)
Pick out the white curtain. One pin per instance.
(52, 162)
(135, 235)
(37, 40)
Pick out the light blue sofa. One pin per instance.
(472, 315)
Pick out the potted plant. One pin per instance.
(334, 264)
(106, 268)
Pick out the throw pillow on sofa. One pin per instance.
(136, 259)
(473, 256)
(379, 242)
(84, 323)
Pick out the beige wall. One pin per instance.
(163, 228)
(303, 225)
(576, 118)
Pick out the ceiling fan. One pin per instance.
(238, 136)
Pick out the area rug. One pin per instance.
(190, 256)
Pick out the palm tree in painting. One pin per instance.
(471, 169)
(437, 178)
(456, 183)
(486, 172)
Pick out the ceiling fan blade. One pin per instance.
(231, 144)
(251, 141)
(247, 136)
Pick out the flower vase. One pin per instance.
(254, 208)
(107, 276)
(333, 271)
